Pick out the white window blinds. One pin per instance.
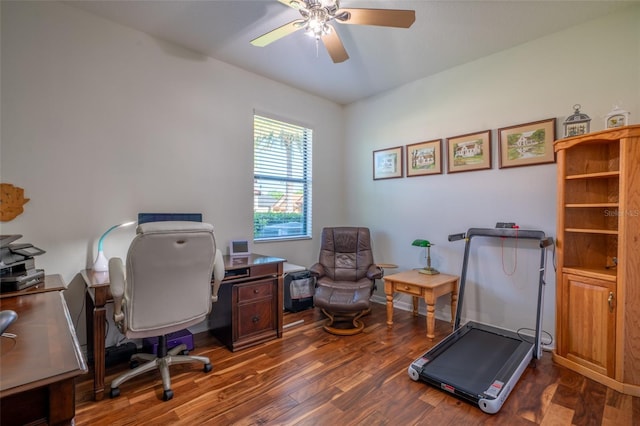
(281, 179)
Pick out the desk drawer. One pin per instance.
(255, 318)
(251, 292)
(408, 288)
(266, 269)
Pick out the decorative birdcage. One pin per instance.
(577, 123)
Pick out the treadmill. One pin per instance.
(477, 362)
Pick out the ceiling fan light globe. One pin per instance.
(316, 27)
(329, 3)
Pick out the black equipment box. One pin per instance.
(17, 264)
(299, 288)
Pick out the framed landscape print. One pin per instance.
(527, 144)
(424, 158)
(387, 163)
(469, 152)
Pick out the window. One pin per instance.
(281, 180)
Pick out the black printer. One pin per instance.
(17, 265)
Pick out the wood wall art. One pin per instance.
(11, 201)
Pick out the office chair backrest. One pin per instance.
(169, 268)
(345, 253)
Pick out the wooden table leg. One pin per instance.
(62, 402)
(389, 310)
(454, 302)
(431, 320)
(415, 305)
(430, 301)
(96, 316)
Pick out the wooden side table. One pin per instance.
(429, 287)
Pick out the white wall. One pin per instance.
(100, 122)
(596, 65)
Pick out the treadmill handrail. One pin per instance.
(504, 233)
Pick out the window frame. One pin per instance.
(303, 166)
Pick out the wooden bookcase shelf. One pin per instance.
(591, 231)
(594, 175)
(598, 241)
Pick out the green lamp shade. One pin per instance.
(421, 243)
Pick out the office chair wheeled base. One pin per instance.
(354, 317)
(162, 364)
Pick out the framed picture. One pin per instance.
(469, 152)
(387, 163)
(424, 158)
(527, 144)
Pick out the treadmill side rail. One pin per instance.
(493, 405)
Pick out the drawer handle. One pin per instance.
(255, 319)
(406, 287)
(256, 291)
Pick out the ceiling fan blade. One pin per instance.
(382, 17)
(278, 33)
(295, 4)
(334, 46)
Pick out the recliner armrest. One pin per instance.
(374, 272)
(218, 275)
(317, 270)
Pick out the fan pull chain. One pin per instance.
(317, 48)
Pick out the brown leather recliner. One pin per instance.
(345, 275)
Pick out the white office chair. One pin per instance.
(167, 287)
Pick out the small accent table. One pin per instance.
(429, 287)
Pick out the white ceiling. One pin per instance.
(445, 34)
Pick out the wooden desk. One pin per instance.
(429, 287)
(50, 283)
(39, 366)
(250, 303)
(227, 321)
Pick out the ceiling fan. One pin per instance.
(316, 21)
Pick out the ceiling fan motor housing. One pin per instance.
(317, 15)
(316, 20)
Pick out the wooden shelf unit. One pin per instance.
(598, 256)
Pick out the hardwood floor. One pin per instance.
(310, 377)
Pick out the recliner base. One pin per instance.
(342, 317)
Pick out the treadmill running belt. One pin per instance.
(472, 361)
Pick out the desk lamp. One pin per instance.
(102, 264)
(425, 243)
